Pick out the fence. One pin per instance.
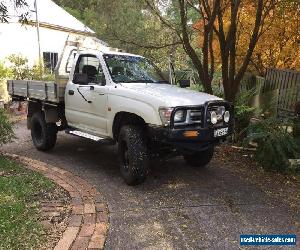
(279, 91)
(288, 84)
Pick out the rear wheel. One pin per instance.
(43, 134)
(199, 159)
(133, 154)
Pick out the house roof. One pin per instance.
(49, 14)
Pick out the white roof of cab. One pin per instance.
(110, 51)
(48, 13)
(107, 50)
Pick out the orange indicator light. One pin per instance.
(191, 133)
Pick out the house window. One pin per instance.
(50, 60)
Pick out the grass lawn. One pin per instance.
(20, 191)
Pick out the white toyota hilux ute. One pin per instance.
(115, 97)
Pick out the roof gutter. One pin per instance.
(61, 28)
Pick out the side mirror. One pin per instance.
(103, 80)
(81, 79)
(184, 83)
(100, 79)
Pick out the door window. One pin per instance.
(89, 68)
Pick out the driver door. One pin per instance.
(86, 97)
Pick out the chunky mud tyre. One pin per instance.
(43, 134)
(133, 155)
(199, 159)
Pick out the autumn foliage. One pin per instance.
(278, 46)
(278, 43)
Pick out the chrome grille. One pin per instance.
(193, 117)
(196, 116)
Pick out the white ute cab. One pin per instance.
(122, 98)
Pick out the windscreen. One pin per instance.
(130, 69)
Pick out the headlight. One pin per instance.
(179, 116)
(165, 115)
(226, 116)
(213, 117)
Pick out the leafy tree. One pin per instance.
(164, 29)
(17, 4)
(277, 42)
(218, 21)
(129, 25)
(277, 46)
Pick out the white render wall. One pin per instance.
(18, 39)
(22, 40)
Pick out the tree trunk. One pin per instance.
(229, 92)
(207, 84)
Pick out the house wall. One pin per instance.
(22, 39)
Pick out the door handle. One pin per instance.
(92, 87)
(71, 92)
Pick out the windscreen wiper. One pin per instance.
(162, 81)
(142, 81)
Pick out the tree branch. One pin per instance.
(188, 47)
(231, 40)
(147, 46)
(212, 57)
(163, 20)
(193, 6)
(207, 43)
(252, 43)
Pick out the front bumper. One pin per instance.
(177, 137)
(196, 138)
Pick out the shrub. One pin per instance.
(4, 71)
(197, 87)
(19, 67)
(243, 112)
(275, 143)
(20, 70)
(6, 130)
(38, 72)
(216, 85)
(4, 74)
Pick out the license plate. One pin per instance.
(220, 132)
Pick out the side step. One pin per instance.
(89, 136)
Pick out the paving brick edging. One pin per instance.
(88, 222)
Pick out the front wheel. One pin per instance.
(43, 134)
(133, 155)
(199, 159)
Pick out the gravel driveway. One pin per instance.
(178, 207)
